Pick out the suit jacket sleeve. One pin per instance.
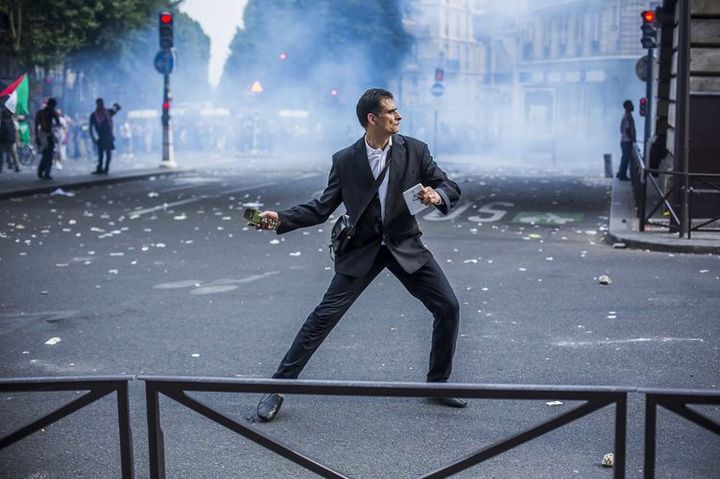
(433, 176)
(316, 211)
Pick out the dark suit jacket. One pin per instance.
(350, 181)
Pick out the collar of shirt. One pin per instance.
(374, 153)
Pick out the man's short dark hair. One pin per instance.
(99, 101)
(52, 102)
(369, 102)
(627, 103)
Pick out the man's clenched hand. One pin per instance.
(429, 196)
(270, 221)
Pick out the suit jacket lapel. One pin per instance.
(397, 166)
(362, 164)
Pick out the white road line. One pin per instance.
(138, 213)
(625, 341)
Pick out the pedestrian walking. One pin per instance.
(8, 141)
(45, 120)
(371, 175)
(627, 140)
(101, 132)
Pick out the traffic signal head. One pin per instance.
(439, 74)
(643, 106)
(649, 36)
(165, 28)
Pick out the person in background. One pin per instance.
(8, 141)
(45, 119)
(61, 138)
(101, 132)
(627, 140)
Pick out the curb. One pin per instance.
(70, 184)
(623, 228)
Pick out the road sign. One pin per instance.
(437, 89)
(546, 218)
(165, 61)
(641, 68)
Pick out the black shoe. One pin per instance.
(451, 402)
(97, 172)
(269, 406)
(105, 172)
(48, 177)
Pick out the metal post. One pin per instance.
(643, 200)
(620, 436)
(156, 443)
(648, 96)
(435, 128)
(126, 445)
(650, 432)
(683, 107)
(168, 153)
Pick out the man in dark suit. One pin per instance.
(386, 236)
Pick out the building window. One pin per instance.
(579, 35)
(562, 46)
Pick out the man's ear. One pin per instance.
(370, 119)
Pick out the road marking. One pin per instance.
(138, 213)
(435, 215)
(496, 214)
(546, 218)
(603, 342)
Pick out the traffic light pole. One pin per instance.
(648, 96)
(168, 153)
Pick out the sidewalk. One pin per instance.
(624, 228)
(77, 173)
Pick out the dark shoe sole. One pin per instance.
(273, 411)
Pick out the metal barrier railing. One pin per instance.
(692, 182)
(97, 387)
(176, 388)
(677, 402)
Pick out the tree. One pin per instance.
(45, 33)
(345, 46)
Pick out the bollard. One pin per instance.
(608, 165)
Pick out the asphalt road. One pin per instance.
(163, 277)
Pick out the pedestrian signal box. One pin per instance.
(649, 34)
(165, 28)
(439, 74)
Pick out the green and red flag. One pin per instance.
(15, 97)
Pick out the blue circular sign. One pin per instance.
(437, 89)
(165, 61)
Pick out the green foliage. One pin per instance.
(326, 42)
(46, 32)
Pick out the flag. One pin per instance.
(15, 97)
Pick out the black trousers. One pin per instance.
(45, 165)
(428, 284)
(626, 159)
(108, 157)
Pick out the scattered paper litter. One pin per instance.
(604, 279)
(554, 403)
(152, 194)
(608, 460)
(275, 241)
(195, 355)
(295, 253)
(619, 245)
(61, 192)
(53, 341)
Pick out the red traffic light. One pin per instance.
(648, 16)
(439, 74)
(166, 17)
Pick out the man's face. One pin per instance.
(387, 119)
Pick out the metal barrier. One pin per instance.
(677, 402)
(176, 388)
(97, 387)
(692, 183)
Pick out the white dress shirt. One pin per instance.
(377, 159)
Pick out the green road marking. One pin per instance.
(546, 218)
